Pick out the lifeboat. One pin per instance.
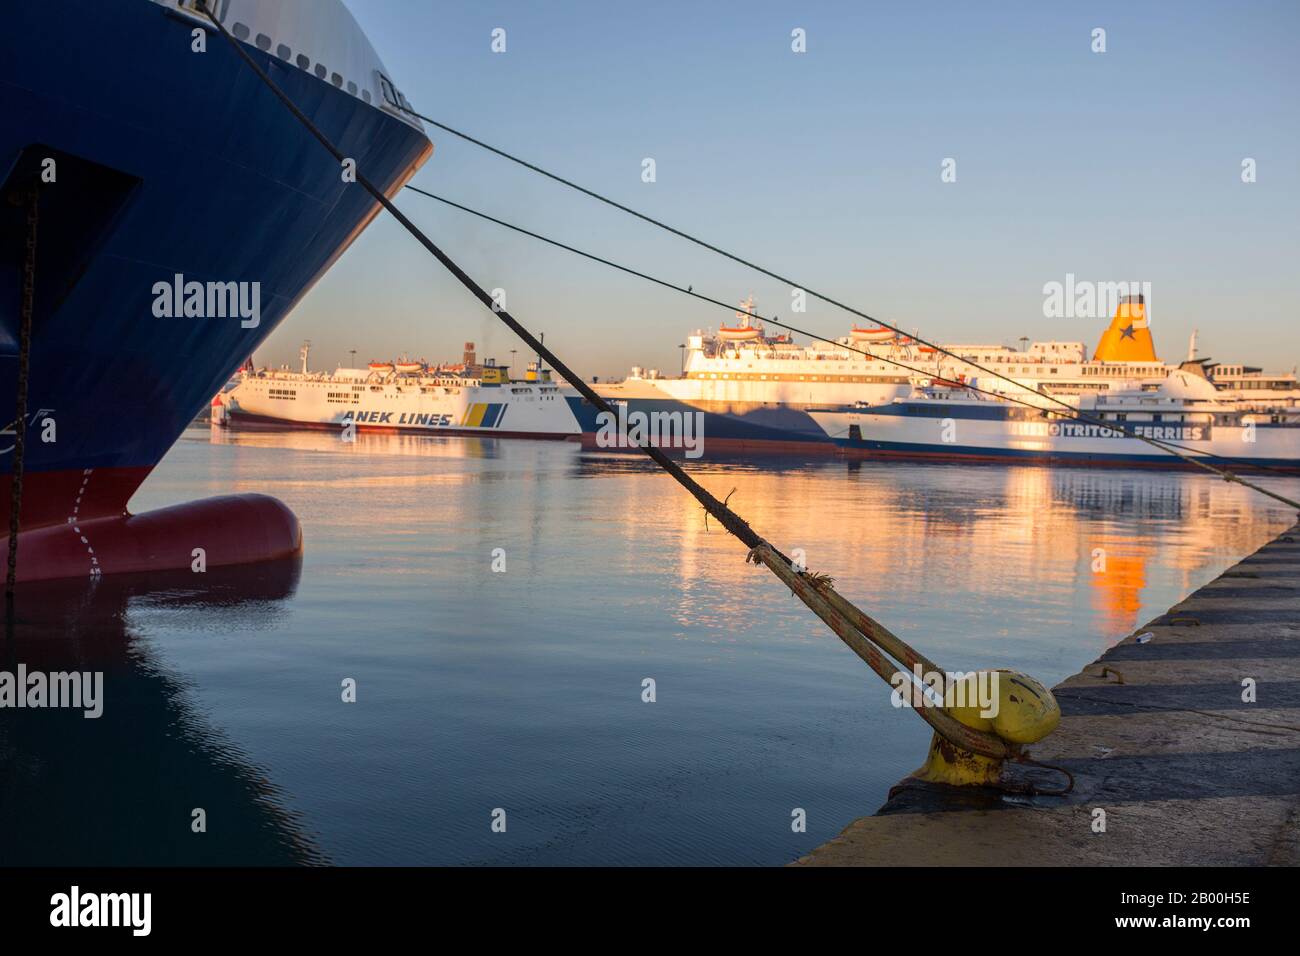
(408, 368)
(874, 334)
(743, 333)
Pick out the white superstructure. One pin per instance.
(743, 365)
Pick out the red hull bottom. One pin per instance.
(74, 525)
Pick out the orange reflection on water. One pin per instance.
(1117, 567)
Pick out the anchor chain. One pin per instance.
(20, 400)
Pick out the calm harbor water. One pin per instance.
(522, 690)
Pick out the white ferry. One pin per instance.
(1183, 408)
(404, 396)
(755, 389)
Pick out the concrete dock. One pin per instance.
(1159, 737)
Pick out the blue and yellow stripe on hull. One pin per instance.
(483, 415)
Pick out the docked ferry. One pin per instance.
(403, 395)
(150, 153)
(1183, 408)
(755, 390)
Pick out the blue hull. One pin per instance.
(728, 426)
(168, 162)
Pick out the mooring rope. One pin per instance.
(20, 399)
(800, 582)
(1075, 414)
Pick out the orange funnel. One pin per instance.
(1129, 337)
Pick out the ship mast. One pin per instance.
(746, 312)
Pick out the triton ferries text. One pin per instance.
(1082, 430)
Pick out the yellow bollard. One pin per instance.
(1023, 711)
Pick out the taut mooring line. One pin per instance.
(1225, 475)
(1173, 448)
(810, 589)
(696, 240)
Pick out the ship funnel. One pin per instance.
(1128, 339)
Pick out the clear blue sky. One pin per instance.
(826, 166)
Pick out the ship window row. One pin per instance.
(342, 398)
(1144, 370)
(286, 393)
(756, 377)
(264, 43)
(1261, 384)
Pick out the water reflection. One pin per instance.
(120, 789)
(371, 443)
(936, 532)
(522, 689)
(889, 531)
